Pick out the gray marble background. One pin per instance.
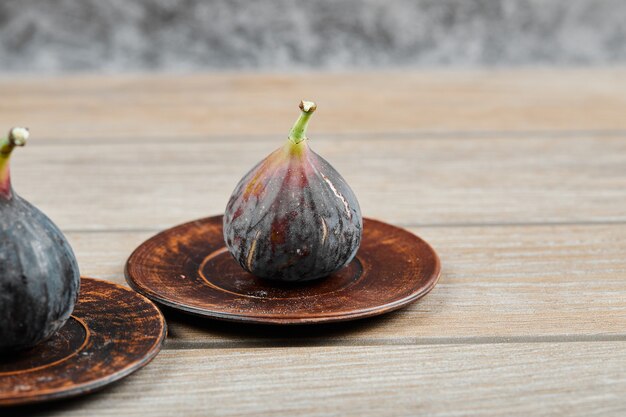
(181, 35)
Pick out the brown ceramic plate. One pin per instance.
(188, 268)
(112, 333)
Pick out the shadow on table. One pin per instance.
(188, 331)
(63, 406)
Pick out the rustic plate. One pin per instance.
(188, 268)
(112, 333)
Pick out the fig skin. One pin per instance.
(293, 217)
(39, 276)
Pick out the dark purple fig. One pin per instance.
(39, 276)
(293, 217)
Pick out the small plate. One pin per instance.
(188, 268)
(112, 333)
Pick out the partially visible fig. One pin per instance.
(39, 277)
(293, 217)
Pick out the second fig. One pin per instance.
(293, 217)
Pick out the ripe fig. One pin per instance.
(293, 217)
(39, 276)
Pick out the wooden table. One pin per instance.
(518, 179)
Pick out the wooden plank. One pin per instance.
(498, 283)
(133, 185)
(574, 379)
(148, 106)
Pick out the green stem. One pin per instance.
(17, 137)
(298, 131)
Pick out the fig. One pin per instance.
(293, 217)
(39, 276)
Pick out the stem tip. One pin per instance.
(18, 136)
(307, 106)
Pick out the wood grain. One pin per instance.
(143, 106)
(400, 180)
(517, 178)
(554, 379)
(521, 282)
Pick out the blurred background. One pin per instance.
(154, 70)
(58, 36)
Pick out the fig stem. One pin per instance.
(298, 131)
(17, 137)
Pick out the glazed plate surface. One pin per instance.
(188, 268)
(112, 333)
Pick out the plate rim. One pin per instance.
(103, 381)
(249, 318)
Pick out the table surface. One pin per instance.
(517, 178)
